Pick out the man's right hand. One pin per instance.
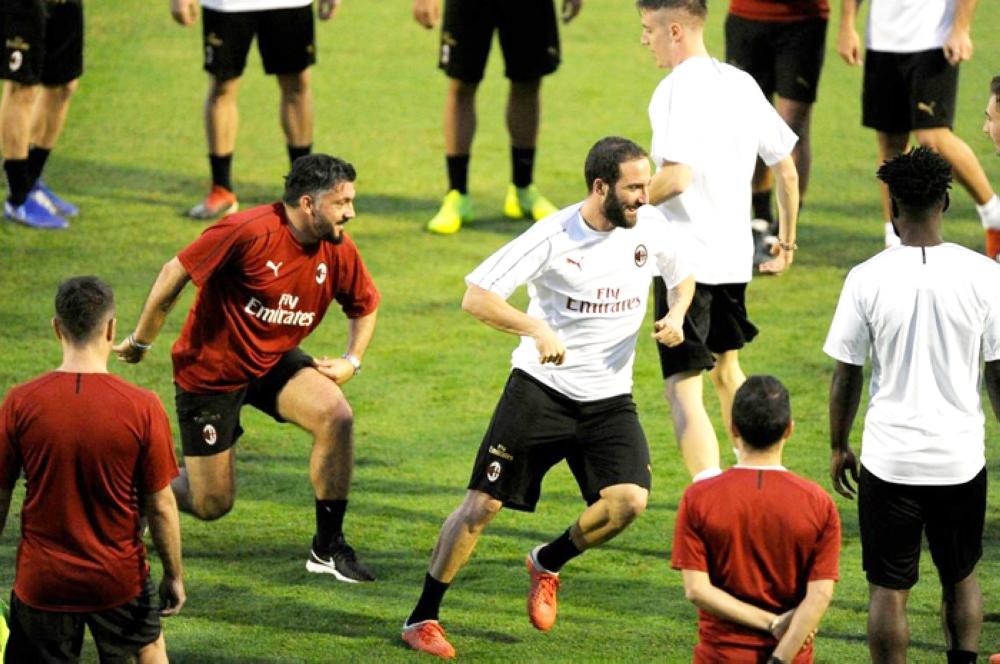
(184, 12)
(128, 351)
(551, 349)
(844, 471)
(427, 12)
(172, 596)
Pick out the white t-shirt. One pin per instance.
(714, 118)
(591, 288)
(252, 5)
(909, 26)
(928, 316)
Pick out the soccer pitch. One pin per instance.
(133, 157)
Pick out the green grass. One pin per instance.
(133, 157)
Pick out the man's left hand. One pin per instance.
(336, 369)
(327, 8)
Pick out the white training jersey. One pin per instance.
(928, 316)
(252, 5)
(714, 118)
(591, 288)
(909, 26)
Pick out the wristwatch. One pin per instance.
(355, 362)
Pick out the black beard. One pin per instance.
(614, 211)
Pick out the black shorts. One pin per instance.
(907, 91)
(535, 427)
(286, 40)
(529, 38)
(210, 423)
(120, 633)
(784, 58)
(892, 518)
(43, 41)
(715, 323)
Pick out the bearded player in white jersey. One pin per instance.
(588, 269)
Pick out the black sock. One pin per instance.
(522, 165)
(429, 604)
(458, 172)
(36, 162)
(18, 180)
(329, 520)
(558, 552)
(961, 657)
(294, 152)
(222, 165)
(762, 205)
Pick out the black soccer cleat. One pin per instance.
(339, 560)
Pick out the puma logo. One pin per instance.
(926, 108)
(576, 263)
(274, 267)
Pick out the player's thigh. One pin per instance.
(891, 521)
(209, 423)
(798, 62)
(531, 428)
(22, 28)
(466, 36)
(955, 520)
(63, 43)
(529, 39)
(750, 47)
(38, 636)
(226, 39)
(286, 39)
(885, 93)
(313, 401)
(122, 632)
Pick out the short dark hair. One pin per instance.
(697, 8)
(918, 179)
(606, 157)
(83, 304)
(314, 174)
(761, 411)
(995, 88)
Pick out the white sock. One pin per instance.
(705, 474)
(989, 213)
(891, 239)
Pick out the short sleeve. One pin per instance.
(826, 564)
(356, 292)
(159, 465)
(514, 264)
(848, 339)
(10, 459)
(688, 551)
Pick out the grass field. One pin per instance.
(133, 157)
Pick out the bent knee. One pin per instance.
(626, 504)
(212, 507)
(478, 510)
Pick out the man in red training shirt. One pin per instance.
(758, 546)
(265, 278)
(81, 560)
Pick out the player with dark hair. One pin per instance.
(529, 38)
(913, 51)
(928, 313)
(285, 33)
(587, 269)
(265, 278)
(705, 163)
(81, 560)
(41, 63)
(761, 574)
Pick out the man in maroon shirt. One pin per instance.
(81, 560)
(758, 546)
(265, 278)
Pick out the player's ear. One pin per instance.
(111, 332)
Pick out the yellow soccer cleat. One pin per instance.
(455, 208)
(527, 203)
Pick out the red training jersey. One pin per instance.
(761, 535)
(91, 446)
(780, 11)
(260, 293)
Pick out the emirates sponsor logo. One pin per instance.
(606, 301)
(284, 314)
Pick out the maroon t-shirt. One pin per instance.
(779, 11)
(260, 293)
(761, 535)
(91, 447)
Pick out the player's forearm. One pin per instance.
(679, 297)
(165, 527)
(359, 334)
(671, 180)
(499, 314)
(806, 619)
(161, 299)
(698, 589)
(849, 13)
(962, 19)
(845, 397)
(786, 181)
